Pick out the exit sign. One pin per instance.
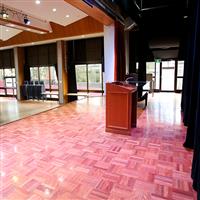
(158, 60)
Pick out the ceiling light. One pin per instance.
(67, 16)
(54, 9)
(4, 14)
(41, 32)
(26, 20)
(37, 1)
(185, 17)
(7, 30)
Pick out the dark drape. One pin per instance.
(191, 94)
(7, 59)
(85, 51)
(189, 52)
(27, 73)
(72, 87)
(132, 51)
(45, 55)
(120, 61)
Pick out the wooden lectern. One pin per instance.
(121, 107)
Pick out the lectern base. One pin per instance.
(118, 131)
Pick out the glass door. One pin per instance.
(168, 76)
(95, 77)
(89, 78)
(10, 85)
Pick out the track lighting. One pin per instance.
(18, 19)
(4, 14)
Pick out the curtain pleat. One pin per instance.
(120, 63)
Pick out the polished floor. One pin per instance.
(65, 154)
(12, 110)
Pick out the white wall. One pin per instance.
(59, 64)
(109, 37)
(17, 73)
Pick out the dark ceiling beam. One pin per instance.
(90, 9)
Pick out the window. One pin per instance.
(168, 69)
(150, 68)
(179, 77)
(2, 86)
(34, 73)
(48, 75)
(7, 82)
(81, 77)
(44, 75)
(89, 77)
(94, 77)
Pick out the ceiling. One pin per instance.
(64, 15)
(161, 22)
(7, 32)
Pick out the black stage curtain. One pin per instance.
(72, 87)
(85, 51)
(7, 59)
(120, 61)
(191, 99)
(45, 55)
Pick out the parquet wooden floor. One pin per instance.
(65, 154)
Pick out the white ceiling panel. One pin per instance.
(7, 32)
(44, 10)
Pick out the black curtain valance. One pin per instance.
(41, 55)
(7, 59)
(86, 51)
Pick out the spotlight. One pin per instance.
(26, 20)
(4, 14)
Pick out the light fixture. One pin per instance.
(54, 9)
(20, 20)
(4, 14)
(67, 16)
(37, 1)
(26, 20)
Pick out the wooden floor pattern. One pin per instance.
(12, 110)
(65, 154)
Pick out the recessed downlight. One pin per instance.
(54, 9)
(37, 2)
(7, 30)
(67, 16)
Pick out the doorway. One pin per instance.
(167, 75)
(10, 85)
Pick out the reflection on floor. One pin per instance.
(65, 154)
(11, 109)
